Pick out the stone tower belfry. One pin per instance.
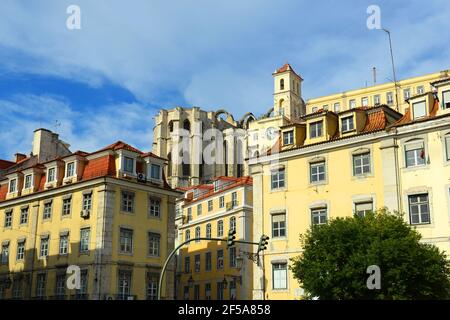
(287, 94)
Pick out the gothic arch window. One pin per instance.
(282, 84)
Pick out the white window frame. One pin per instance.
(278, 178)
(126, 240)
(277, 227)
(319, 213)
(13, 182)
(315, 128)
(30, 176)
(315, 177)
(157, 168)
(347, 124)
(365, 168)
(74, 170)
(352, 104)
(52, 169)
(365, 102)
(419, 205)
(416, 152)
(288, 137)
(124, 164)
(220, 228)
(279, 276)
(419, 103)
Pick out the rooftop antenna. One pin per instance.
(393, 66)
(57, 125)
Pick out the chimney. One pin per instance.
(19, 157)
(47, 146)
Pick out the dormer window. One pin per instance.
(315, 129)
(12, 185)
(446, 99)
(155, 171)
(51, 174)
(216, 185)
(288, 137)
(347, 124)
(419, 109)
(28, 181)
(70, 169)
(128, 164)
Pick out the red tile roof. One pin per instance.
(4, 164)
(119, 145)
(375, 121)
(286, 67)
(407, 118)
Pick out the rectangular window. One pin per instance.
(414, 154)
(233, 289)
(82, 292)
(319, 216)
(277, 178)
(12, 185)
(447, 147)
(279, 276)
(314, 109)
(210, 205)
(221, 202)
(419, 209)
(67, 204)
(154, 242)
(347, 124)
(365, 102)
(208, 291)
(47, 210)
(317, 172)
(189, 214)
(155, 171)
(219, 259)
(420, 90)
(187, 264)
(234, 201)
(446, 99)
(8, 219)
(128, 164)
(377, 99)
(208, 261)
(28, 181)
(419, 109)
(70, 170)
(60, 286)
(199, 209)
(389, 98)
(5, 254)
(51, 175)
(20, 250)
(152, 286)
(315, 129)
(84, 240)
(126, 240)
(17, 289)
(363, 208)
(220, 291)
(361, 164)
(337, 107)
(154, 207)
(124, 284)
(352, 104)
(288, 137)
(232, 254)
(87, 201)
(63, 244)
(43, 253)
(197, 292)
(41, 280)
(24, 215)
(197, 263)
(278, 225)
(127, 201)
(186, 292)
(406, 93)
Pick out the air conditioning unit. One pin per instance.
(85, 214)
(141, 177)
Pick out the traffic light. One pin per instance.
(263, 243)
(231, 238)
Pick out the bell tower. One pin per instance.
(287, 94)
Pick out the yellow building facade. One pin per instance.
(109, 213)
(351, 162)
(395, 96)
(208, 269)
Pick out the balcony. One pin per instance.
(231, 205)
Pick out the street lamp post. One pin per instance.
(393, 66)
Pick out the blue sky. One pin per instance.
(106, 81)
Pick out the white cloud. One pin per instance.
(87, 131)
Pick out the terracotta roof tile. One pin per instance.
(120, 145)
(3, 191)
(286, 67)
(375, 121)
(4, 164)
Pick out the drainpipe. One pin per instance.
(34, 248)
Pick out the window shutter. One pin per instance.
(279, 217)
(366, 206)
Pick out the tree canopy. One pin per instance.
(336, 256)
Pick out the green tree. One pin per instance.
(336, 255)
